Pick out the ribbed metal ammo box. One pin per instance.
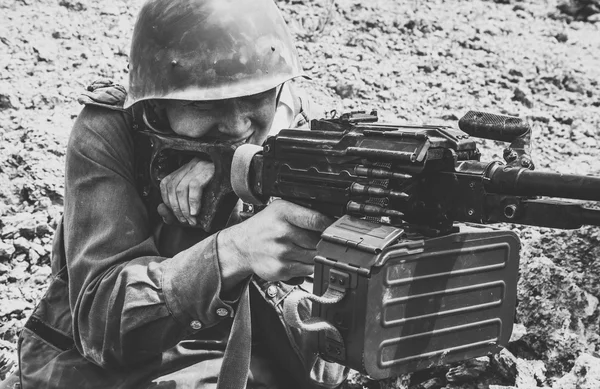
(413, 302)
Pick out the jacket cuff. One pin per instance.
(191, 285)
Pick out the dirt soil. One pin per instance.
(416, 62)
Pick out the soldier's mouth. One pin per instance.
(241, 141)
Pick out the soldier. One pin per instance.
(140, 298)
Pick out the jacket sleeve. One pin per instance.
(128, 303)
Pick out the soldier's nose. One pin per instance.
(235, 120)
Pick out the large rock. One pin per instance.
(7, 249)
(558, 314)
(580, 9)
(14, 307)
(584, 375)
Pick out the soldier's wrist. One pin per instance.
(233, 266)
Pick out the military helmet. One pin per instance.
(209, 50)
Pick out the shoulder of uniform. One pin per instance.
(104, 93)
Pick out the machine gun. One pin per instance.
(408, 276)
(422, 177)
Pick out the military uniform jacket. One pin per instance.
(137, 304)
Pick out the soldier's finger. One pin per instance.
(306, 239)
(202, 174)
(166, 214)
(305, 218)
(164, 192)
(173, 201)
(195, 196)
(182, 193)
(299, 269)
(303, 256)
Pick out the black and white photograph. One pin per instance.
(291, 194)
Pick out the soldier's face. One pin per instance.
(243, 119)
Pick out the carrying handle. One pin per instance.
(292, 317)
(502, 128)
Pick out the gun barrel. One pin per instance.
(590, 217)
(517, 181)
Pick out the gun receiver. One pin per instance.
(425, 177)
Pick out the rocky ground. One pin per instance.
(415, 61)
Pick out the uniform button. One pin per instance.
(272, 291)
(222, 312)
(196, 325)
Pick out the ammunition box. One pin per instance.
(414, 302)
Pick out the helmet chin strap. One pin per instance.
(153, 120)
(279, 90)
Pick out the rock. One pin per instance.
(110, 8)
(20, 257)
(18, 273)
(432, 383)
(384, 95)
(523, 95)
(540, 117)
(6, 364)
(449, 117)
(38, 248)
(515, 72)
(27, 228)
(356, 380)
(344, 90)
(8, 97)
(561, 37)
(14, 307)
(49, 100)
(42, 229)
(6, 250)
(530, 373)
(44, 271)
(33, 256)
(4, 269)
(73, 5)
(585, 374)
(573, 84)
(7, 101)
(563, 118)
(9, 232)
(46, 49)
(591, 306)
(22, 244)
(517, 333)
(554, 309)
(505, 364)
(580, 9)
(469, 370)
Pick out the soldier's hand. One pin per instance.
(278, 243)
(181, 191)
